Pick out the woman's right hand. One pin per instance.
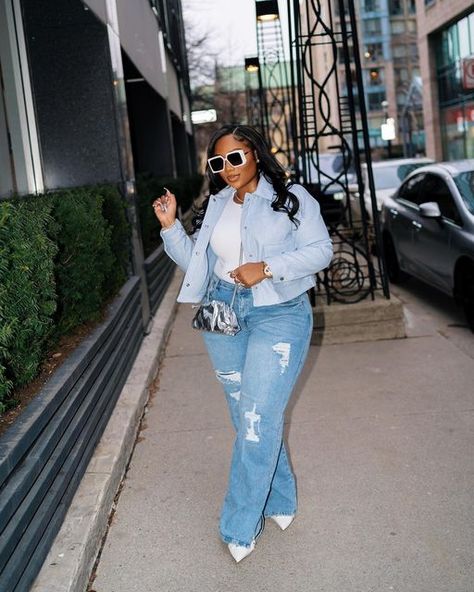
(165, 209)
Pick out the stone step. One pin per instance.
(368, 320)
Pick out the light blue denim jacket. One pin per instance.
(294, 253)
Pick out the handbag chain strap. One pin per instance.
(235, 287)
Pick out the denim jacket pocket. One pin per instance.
(285, 246)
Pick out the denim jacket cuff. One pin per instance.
(173, 233)
(278, 269)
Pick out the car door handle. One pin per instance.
(394, 212)
(417, 225)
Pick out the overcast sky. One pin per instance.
(231, 26)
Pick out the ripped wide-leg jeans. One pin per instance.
(258, 368)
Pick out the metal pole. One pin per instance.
(126, 157)
(365, 135)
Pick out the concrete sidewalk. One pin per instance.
(381, 437)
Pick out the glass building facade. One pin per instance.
(456, 103)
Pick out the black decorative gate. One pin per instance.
(274, 82)
(328, 139)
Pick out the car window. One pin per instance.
(465, 185)
(386, 177)
(436, 189)
(390, 176)
(412, 190)
(324, 168)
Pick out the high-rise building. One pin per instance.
(446, 40)
(390, 63)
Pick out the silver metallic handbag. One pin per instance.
(217, 316)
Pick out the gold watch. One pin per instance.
(267, 272)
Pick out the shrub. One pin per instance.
(62, 255)
(85, 258)
(27, 289)
(114, 210)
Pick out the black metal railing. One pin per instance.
(275, 90)
(331, 141)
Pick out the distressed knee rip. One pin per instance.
(252, 419)
(283, 350)
(231, 380)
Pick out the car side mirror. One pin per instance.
(430, 209)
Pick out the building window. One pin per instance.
(456, 103)
(400, 51)
(373, 26)
(401, 76)
(373, 52)
(401, 98)
(396, 7)
(412, 6)
(371, 5)
(398, 27)
(375, 76)
(374, 101)
(413, 51)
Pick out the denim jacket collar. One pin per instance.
(264, 189)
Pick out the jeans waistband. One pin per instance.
(217, 282)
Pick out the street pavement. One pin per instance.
(381, 437)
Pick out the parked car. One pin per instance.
(388, 175)
(328, 182)
(428, 230)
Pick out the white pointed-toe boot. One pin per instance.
(239, 552)
(283, 520)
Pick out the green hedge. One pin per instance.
(27, 290)
(87, 268)
(186, 189)
(62, 255)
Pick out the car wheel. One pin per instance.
(395, 274)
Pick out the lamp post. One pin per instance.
(273, 81)
(267, 10)
(256, 116)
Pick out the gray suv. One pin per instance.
(428, 230)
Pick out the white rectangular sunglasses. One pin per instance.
(236, 158)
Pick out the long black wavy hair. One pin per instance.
(284, 201)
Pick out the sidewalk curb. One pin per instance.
(69, 563)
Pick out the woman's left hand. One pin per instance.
(248, 274)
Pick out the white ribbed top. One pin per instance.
(225, 240)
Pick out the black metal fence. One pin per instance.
(319, 132)
(159, 270)
(332, 142)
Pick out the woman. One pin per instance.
(267, 237)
